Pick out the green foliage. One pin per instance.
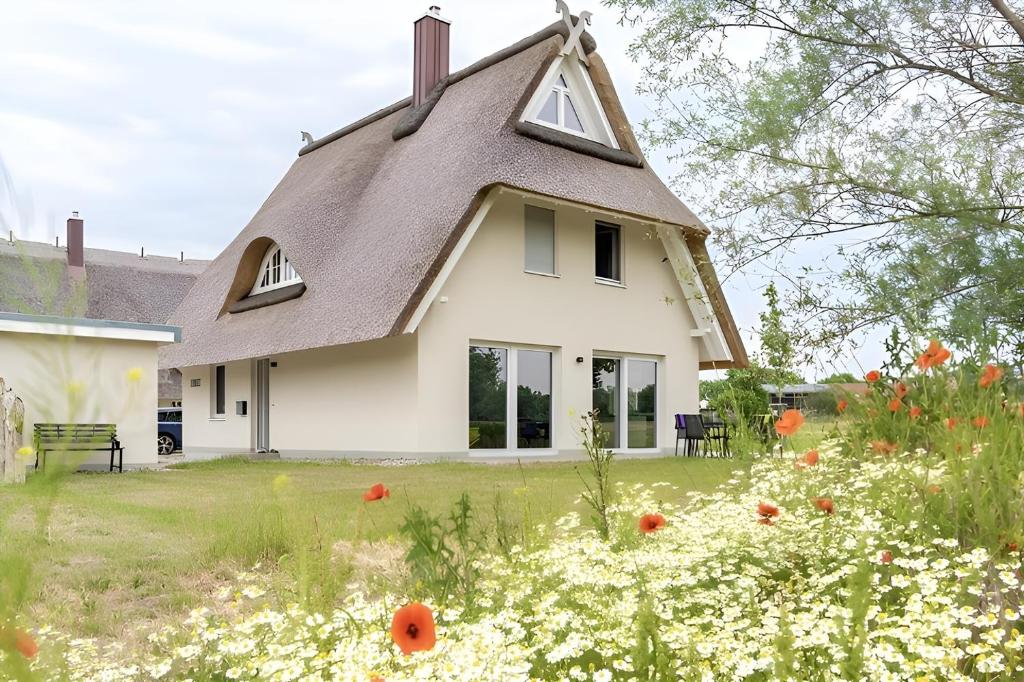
(598, 491)
(824, 403)
(872, 147)
(839, 378)
(739, 396)
(778, 353)
(442, 552)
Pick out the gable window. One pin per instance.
(540, 240)
(566, 100)
(276, 272)
(218, 391)
(608, 252)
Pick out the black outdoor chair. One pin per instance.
(716, 438)
(694, 434)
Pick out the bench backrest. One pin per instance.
(75, 433)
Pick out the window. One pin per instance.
(558, 110)
(217, 392)
(607, 252)
(540, 240)
(275, 272)
(630, 416)
(498, 421)
(566, 100)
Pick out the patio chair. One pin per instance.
(680, 431)
(695, 434)
(717, 432)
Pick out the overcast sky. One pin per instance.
(166, 124)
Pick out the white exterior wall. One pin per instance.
(409, 395)
(491, 298)
(71, 379)
(359, 398)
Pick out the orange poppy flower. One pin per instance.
(895, 405)
(651, 522)
(412, 628)
(883, 447)
(900, 389)
(20, 640)
(376, 492)
(951, 423)
(916, 412)
(811, 458)
(980, 422)
(872, 376)
(885, 557)
(841, 406)
(1012, 546)
(825, 505)
(933, 356)
(989, 375)
(789, 423)
(934, 489)
(1022, 409)
(767, 509)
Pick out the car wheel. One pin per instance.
(165, 444)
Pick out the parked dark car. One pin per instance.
(168, 429)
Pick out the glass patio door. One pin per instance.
(625, 396)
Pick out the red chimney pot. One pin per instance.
(76, 243)
(430, 53)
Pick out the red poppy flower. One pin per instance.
(21, 641)
(412, 628)
(900, 389)
(789, 423)
(885, 557)
(651, 522)
(895, 405)
(767, 509)
(989, 375)
(811, 458)
(841, 406)
(980, 422)
(825, 505)
(951, 423)
(915, 412)
(872, 376)
(1012, 546)
(933, 356)
(883, 447)
(376, 492)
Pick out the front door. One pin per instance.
(263, 405)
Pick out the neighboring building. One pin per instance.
(498, 229)
(795, 396)
(77, 371)
(76, 282)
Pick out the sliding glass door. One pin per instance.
(625, 396)
(504, 420)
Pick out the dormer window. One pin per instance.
(567, 101)
(276, 272)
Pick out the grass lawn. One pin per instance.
(123, 553)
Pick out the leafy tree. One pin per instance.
(738, 396)
(885, 134)
(778, 353)
(839, 378)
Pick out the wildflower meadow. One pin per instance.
(891, 551)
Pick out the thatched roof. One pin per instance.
(368, 215)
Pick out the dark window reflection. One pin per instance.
(488, 397)
(606, 397)
(533, 399)
(642, 399)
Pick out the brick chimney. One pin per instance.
(76, 245)
(430, 53)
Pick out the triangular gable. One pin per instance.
(567, 101)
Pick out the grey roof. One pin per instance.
(117, 286)
(368, 220)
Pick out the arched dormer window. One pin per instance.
(275, 272)
(567, 101)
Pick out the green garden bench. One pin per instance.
(78, 438)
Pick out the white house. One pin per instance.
(462, 273)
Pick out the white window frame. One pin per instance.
(621, 281)
(512, 403)
(554, 242)
(659, 391)
(585, 100)
(214, 384)
(286, 275)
